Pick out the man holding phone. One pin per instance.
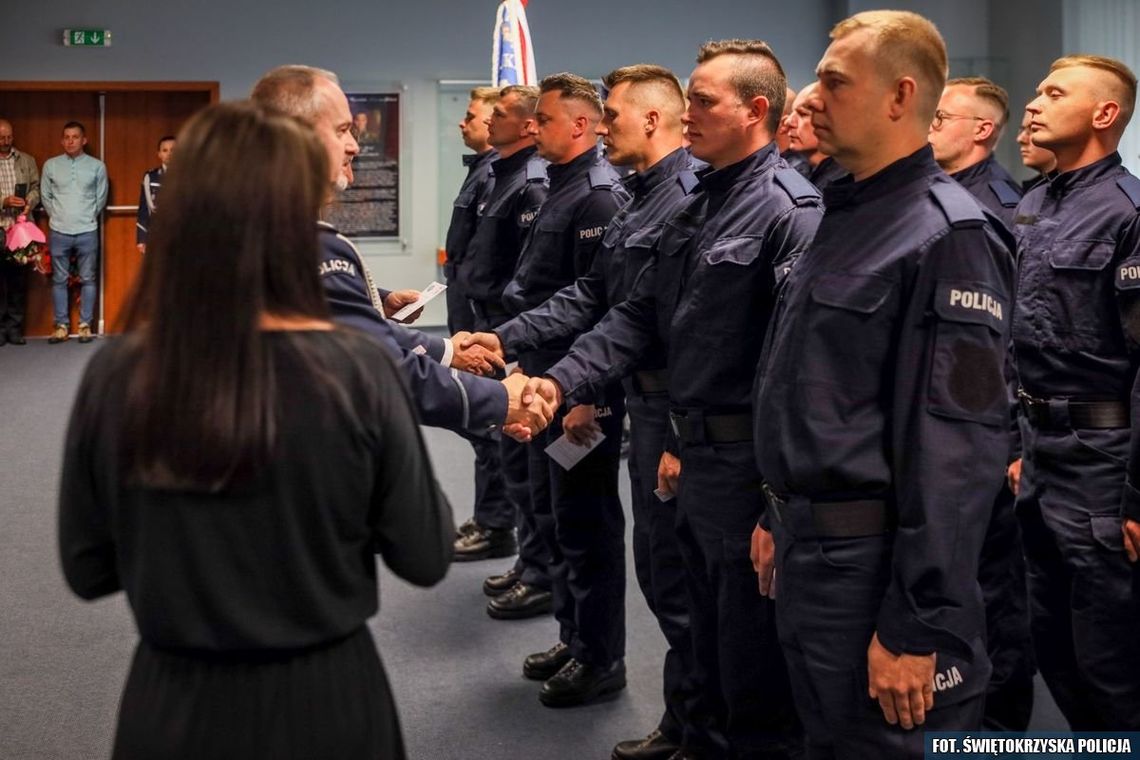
(19, 194)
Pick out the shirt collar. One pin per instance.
(1062, 183)
(474, 159)
(642, 183)
(973, 171)
(714, 180)
(561, 173)
(502, 167)
(847, 191)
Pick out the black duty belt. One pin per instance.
(487, 310)
(1069, 414)
(805, 518)
(651, 381)
(695, 427)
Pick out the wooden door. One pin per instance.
(134, 122)
(126, 119)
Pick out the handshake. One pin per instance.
(531, 401)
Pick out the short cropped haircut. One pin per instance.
(293, 90)
(75, 125)
(573, 87)
(166, 138)
(905, 44)
(757, 72)
(528, 96)
(661, 79)
(488, 95)
(1122, 73)
(990, 92)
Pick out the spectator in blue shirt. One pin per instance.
(73, 190)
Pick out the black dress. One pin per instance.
(251, 604)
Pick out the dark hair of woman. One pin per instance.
(235, 240)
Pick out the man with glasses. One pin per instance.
(966, 127)
(964, 133)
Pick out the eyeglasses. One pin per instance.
(941, 116)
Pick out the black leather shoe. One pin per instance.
(521, 601)
(501, 584)
(467, 526)
(16, 338)
(543, 665)
(580, 684)
(656, 746)
(485, 543)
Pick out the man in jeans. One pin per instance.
(73, 190)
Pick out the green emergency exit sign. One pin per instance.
(87, 37)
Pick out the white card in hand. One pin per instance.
(427, 294)
(568, 454)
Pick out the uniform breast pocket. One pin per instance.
(1079, 295)
(550, 247)
(848, 328)
(729, 274)
(464, 199)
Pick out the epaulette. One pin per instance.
(688, 181)
(1003, 233)
(536, 170)
(799, 189)
(1006, 194)
(600, 177)
(957, 204)
(1130, 184)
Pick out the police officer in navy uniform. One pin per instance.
(791, 155)
(444, 396)
(707, 299)
(823, 168)
(151, 186)
(964, 132)
(577, 511)
(490, 532)
(967, 125)
(641, 129)
(520, 187)
(1077, 345)
(880, 398)
(1034, 157)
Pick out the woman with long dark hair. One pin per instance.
(235, 461)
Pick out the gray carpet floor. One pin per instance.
(456, 673)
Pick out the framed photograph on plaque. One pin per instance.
(370, 208)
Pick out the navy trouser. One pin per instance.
(1001, 574)
(657, 555)
(492, 507)
(744, 705)
(1084, 595)
(533, 562)
(13, 297)
(584, 529)
(828, 595)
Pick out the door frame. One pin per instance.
(210, 88)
